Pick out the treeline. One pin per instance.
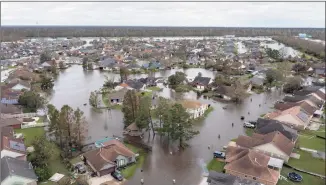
(17, 32)
(309, 47)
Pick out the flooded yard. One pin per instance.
(163, 164)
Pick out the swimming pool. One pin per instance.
(99, 143)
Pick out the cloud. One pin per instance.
(226, 14)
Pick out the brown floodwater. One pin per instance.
(165, 162)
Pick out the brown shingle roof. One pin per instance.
(249, 162)
(107, 154)
(190, 104)
(276, 138)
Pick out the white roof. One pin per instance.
(56, 177)
(274, 162)
(319, 112)
(322, 90)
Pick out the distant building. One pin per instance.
(302, 35)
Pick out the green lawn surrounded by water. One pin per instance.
(307, 179)
(215, 165)
(308, 162)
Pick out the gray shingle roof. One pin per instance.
(265, 126)
(16, 167)
(202, 80)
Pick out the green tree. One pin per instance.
(124, 73)
(130, 107)
(161, 109)
(61, 65)
(79, 128)
(66, 119)
(31, 101)
(45, 56)
(93, 99)
(46, 83)
(43, 174)
(181, 128)
(272, 75)
(177, 79)
(90, 65)
(85, 62)
(42, 152)
(55, 126)
(292, 84)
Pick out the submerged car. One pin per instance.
(117, 175)
(295, 177)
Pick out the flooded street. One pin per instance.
(74, 85)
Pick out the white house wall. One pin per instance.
(8, 153)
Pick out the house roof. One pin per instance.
(297, 112)
(216, 178)
(133, 127)
(276, 138)
(100, 158)
(135, 84)
(13, 144)
(191, 104)
(265, 126)
(15, 167)
(305, 105)
(257, 80)
(119, 94)
(9, 109)
(250, 162)
(9, 121)
(201, 80)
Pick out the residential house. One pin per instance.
(131, 85)
(312, 98)
(9, 109)
(266, 126)
(133, 67)
(216, 178)
(306, 105)
(108, 158)
(116, 97)
(107, 64)
(193, 61)
(257, 81)
(8, 120)
(319, 70)
(201, 82)
(133, 130)
(18, 86)
(295, 117)
(49, 64)
(196, 109)
(252, 165)
(274, 144)
(15, 171)
(12, 147)
(24, 74)
(224, 92)
(152, 65)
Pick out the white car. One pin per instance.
(248, 125)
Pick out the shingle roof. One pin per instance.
(16, 167)
(99, 158)
(265, 126)
(118, 94)
(276, 138)
(249, 162)
(201, 80)
(190, 104)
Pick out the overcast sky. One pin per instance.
(231, 14)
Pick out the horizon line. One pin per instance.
(42, 26)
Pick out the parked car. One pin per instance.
(117, 175)
(220, 155)
(80, 168)
(249, 125)
(253, 122)
(295, 177)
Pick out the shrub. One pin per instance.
(42, 173)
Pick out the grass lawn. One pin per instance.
(145, 93)
(307, 179)
(249, 131)
(105, 98)
(131, 170)
(55, 164)
(312, 142)
(154, 88)
(30, 134)
(215, 165)
(210, 109)
(41, 119)
(308, 163)
(75, 160)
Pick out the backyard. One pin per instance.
(55, 163)
(307, 179)
(309, 139)
(308, 162)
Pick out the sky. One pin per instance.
(215, 14)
